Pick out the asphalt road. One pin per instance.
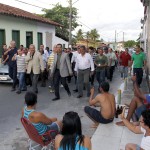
(11, 105)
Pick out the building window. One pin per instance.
(40, 39)
(2, 40)
(64, 46)
(16, 37)
(29, 39)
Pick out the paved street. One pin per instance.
(12, 135)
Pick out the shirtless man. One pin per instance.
(106, 101)
(137, 105)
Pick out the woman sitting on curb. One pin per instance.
(72, 138)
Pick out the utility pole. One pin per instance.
(123, 39)
(115, 35)
(70, 22)
(115, 39)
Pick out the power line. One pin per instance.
(84, 25)
(30, 4)
(46, 8)
(44, 3)
(75, 2)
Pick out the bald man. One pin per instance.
(35, 65)
(12, 64)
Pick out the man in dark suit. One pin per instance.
(61, 68)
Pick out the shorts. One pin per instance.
(147, 98)
(138, 147)
(96, 115)
(54, 127)
(139, 111)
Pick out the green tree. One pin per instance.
(74, 40)
(79, 35)
(60, 15)
(94, 36)
(130, 43)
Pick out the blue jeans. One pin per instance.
(21, 78)
(100, 76)
(124, 71)
(13, 74)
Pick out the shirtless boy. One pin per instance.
(106, 101)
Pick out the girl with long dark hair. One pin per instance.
(72, 138)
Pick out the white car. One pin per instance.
(4, 75)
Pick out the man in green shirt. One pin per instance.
(139, 63)
(101, 62)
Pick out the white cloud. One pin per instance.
(104, 15)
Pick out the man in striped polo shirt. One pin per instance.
(21, 70)
(49, 64)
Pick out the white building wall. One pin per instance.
(46, 28)
(61, 41)
(9, 23)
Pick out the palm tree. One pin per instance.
(79, 35)
(94, 35)
(87, 35)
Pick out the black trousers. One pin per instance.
(44, 77)
(92, 77)
(57, 79)
(73, 66)
(28, 79)
(139, 75)
(111, 71)
(13, 75)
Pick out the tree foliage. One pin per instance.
(60, 15)
(79, 35)
(91, 36)
(130, 43)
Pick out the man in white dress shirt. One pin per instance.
(84, 66)
(73, 62)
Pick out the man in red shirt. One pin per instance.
(125, 58)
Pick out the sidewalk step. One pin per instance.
(113, 137)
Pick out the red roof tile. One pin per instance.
(16, 12)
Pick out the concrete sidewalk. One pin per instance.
(113, 137)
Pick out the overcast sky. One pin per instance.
(104, 15)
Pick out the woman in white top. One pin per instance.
(143, 128)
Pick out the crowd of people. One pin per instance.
(60, 65)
